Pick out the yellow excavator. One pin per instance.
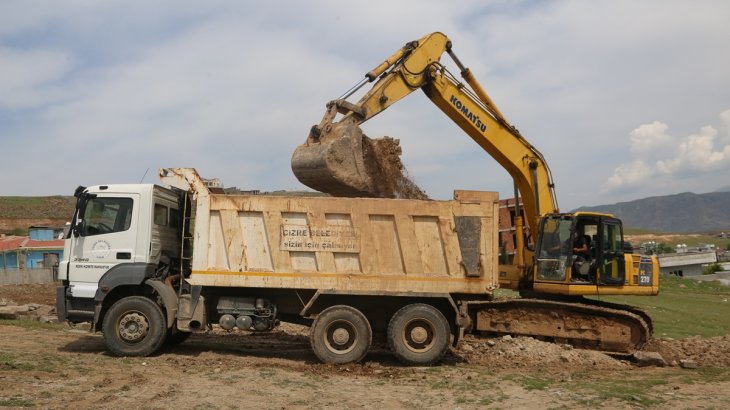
(574, 254)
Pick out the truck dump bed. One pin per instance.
(345, 244)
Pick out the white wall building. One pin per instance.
(686, 263)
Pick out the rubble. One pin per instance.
(644, 358)
(32, 311)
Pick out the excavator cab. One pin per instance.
(585, 254)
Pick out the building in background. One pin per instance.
(38, 250)
(686, 263)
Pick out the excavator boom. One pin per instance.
(337, 158)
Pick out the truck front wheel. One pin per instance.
(341, 334)
(418, 334)
(134, 326)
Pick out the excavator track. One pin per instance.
(612, 329)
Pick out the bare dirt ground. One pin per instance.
(53, 367)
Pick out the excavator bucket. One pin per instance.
(333, 161)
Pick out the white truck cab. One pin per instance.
(125, 233)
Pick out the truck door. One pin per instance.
(611, 269)
(106, 237)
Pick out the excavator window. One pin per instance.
(554, 247)
(612, 269)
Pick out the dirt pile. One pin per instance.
(710, 352)
(525, 352)
(389, 175)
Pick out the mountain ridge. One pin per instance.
(684, 212)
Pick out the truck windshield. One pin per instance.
(107, 215)
(554, 248)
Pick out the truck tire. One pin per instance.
(134, 326)
(418, 334)
(341, 334)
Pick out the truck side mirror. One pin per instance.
(77, 228)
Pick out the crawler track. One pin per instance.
(606, 327)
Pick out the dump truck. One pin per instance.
(349, 268)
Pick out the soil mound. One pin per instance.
(525, 352)
(390, 178)
(710, 352)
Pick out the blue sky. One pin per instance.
(625, 99)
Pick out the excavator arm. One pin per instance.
(331, 159)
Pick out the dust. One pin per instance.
(389, 175)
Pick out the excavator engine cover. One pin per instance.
(334, 162)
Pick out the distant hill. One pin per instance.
(680, 213)
(724, 189)
(17, 213)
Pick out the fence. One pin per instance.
(22, 276)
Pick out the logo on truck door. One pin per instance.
(306, 238)
(100, 249)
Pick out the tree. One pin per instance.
(712, 268)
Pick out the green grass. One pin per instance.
(16, 402)
(32, 324)
(632, 390)
(530, 383)
(26, 362)
(696, 240)
(36, 206)
(641, 231)
(685, 307)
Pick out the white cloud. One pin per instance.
(629, 175)
(700, 155)
(697, 153)
(650, 137)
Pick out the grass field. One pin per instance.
(685, 307)
(36, 207)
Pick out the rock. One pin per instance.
(48, 319)
(688, 364)
(567, 347)
(44, 310)
(506, 338)
(84, 326)
(467, 348)
(565, 357)
(644, 359)
(491, 343)
(13, 312)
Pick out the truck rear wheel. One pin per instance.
(134, 326)
(341, 334)
(418, 334)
